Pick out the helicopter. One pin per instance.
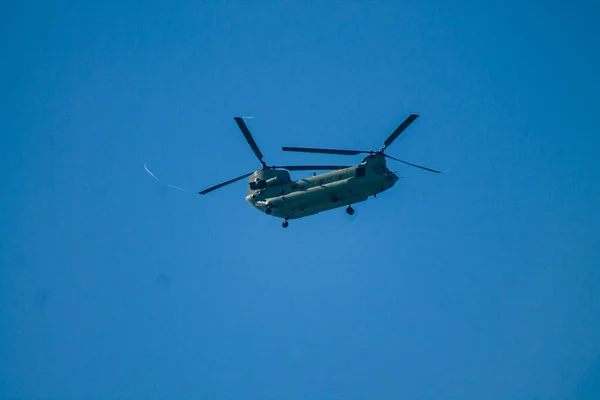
(272, 191)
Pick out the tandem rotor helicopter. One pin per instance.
(271, 190)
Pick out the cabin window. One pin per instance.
(360, 171)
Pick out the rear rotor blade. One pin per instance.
(414, 165)
(210, 189)
(324, 151)
(399, 130)
(312, 167)
(249, 138)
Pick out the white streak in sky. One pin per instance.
(158, 180)
(150, 172)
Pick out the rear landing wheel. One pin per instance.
(350, 210)
(285, 224)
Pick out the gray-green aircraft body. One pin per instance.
(272, 191)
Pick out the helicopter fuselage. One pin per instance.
(274, 193)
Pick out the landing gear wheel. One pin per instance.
(285, 224)
(350, 210)
(268, 211)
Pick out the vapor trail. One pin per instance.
(164, 183)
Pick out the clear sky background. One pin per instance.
(481, 283)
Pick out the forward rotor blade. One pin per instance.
(324, 151)
(210, 189)
(414, 165)
(312, 167)
(399, 130)
(249, 138)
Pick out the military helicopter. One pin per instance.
(272, 191)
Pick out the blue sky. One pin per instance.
(478, 283)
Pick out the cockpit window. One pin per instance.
(260, 184)
(360, 171)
